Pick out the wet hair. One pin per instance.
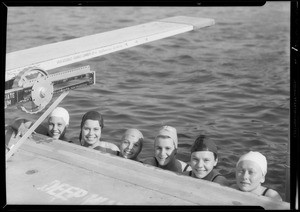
(92, 115)
(204, 143)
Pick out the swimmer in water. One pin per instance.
(91, 128)
(58, 123)
(131, 144)
(165, 150)
(251, 170)
(204, 158)
(56, 127)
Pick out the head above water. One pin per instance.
(134, 133)
(204, 143)
(168, 131)
(58, 122)
(61, 113)
(131, 144)
(91, 115)
(257, 158)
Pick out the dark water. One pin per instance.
(230, 80)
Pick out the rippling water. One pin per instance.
(230, 80)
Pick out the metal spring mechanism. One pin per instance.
(34, 88)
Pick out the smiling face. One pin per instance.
(164, 150)
(91, 132)
(56, 127)
(130, 146)
(202, 163)
(249, 176)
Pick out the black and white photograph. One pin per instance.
(148, 105)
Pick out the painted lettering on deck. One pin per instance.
(65, 192)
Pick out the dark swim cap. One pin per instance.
(203, 143)
(92, 115)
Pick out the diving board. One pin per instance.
(63, 53)
(45, 171)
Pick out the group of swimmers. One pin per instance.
(251, 168)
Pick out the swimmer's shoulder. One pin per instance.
(273, 194)
(184, 166)
(150, 161)
(221, 180)
(234, 186)
(187, 173)
(109, 145)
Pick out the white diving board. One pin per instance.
(63, 53)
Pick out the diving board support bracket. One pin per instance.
(35, 125)
(32, 86)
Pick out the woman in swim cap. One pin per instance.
(58, 123)
(91, 127)
(204, 157)
(251, 170)
(56, 127)
(131, 144)
(165, 150)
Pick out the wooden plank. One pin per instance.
(40, 180)
(63, 53)
(120, 173)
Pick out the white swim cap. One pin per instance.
(61, 112)
(256, 157)
(170, 132)
(135, 133)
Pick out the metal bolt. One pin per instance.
(42, 92)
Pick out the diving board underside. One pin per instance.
(63, 53)
(44, 171)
